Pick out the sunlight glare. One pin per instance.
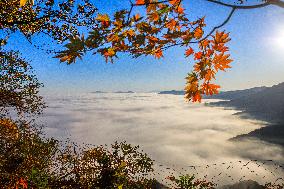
(278, 39)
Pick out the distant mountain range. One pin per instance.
(172, 92)
(226, 95)
(124, 92)
(262, 103)
(265, 103)
(113, 92)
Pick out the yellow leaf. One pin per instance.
(23, 2)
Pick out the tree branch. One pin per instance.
(241, 6)
(217, 27)
(27, 21)
(276, 2)
(210, 33)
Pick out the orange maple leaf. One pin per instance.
(110, 52)
(198, 55)
(104, 19)
(221, 37)
(140, 2)
(153, 39)
(174, 2)
(180, 10)
(198, 33)
(154, 16)
(171, 24)
(209, 75)
(209, 52)
(210, 88)
(196, 97)
(189, 52)
(158, 53)
(221, 61)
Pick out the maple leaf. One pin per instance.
(209, 75)
(189, 52)
(210, 89)
(113, 38)
(140, 2)
(154, 16)
(22, 3)
(209, 52)
(104, 19)
(158, 53)
(151, 7)
(221, 37)
(152, 39)
(198, 33)
(110, 52)
(174, 2)
(204, 43)
(180, 10)
(220, 47)
(196, 97)
(130, 32)
(171, 24)
(198, 55)
(136, 17)
(197, 67)
(221, 61)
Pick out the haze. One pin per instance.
(174, 133)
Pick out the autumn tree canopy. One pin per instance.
(19, 87)
(160, 25)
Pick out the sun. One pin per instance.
(278, 38)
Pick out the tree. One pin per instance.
(19, 87)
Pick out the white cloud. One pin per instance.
(171, 131)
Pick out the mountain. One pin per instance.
(262, 103)
(98, 92)
(230, 95)
(225, 95)
(265, 103)
(172, 92)
(124, 92)
(271, 133)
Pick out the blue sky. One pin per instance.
(257, 48)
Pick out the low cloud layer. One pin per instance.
(174, 133)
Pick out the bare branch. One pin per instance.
(276, 2)
(217, 27)
(241, 6)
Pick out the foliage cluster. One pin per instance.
(19, 87)
(161, 26)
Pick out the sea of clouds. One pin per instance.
(176, 134)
